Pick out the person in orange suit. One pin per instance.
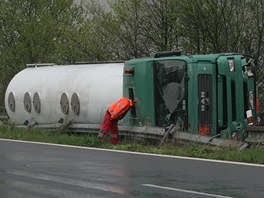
(114, 113)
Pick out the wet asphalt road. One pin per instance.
(35, 170)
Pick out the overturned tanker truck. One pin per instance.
(197, 96)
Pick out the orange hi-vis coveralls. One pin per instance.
(114, 113)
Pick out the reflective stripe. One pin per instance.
(114, 136)
(100, 134)
(120, 105)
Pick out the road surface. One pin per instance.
(41, 170)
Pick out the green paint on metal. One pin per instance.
(141, 83)
(218, 108)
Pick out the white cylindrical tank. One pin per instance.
(80, 93)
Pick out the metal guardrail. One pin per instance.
(3, 117)
(255, 134)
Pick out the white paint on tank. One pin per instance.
(97, 86)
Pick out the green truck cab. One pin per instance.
(212, 95)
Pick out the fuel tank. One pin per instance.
(48, 94)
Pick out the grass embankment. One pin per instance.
(255, 154)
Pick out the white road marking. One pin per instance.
(136, 153)
(185, 191)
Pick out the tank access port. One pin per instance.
(37, 102)
(75, 104)
(11, 101)
(64, 102)
(27, 102)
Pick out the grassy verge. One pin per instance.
(253, 155)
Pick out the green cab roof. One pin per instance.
(187, 58)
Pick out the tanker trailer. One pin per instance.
(47, 94)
